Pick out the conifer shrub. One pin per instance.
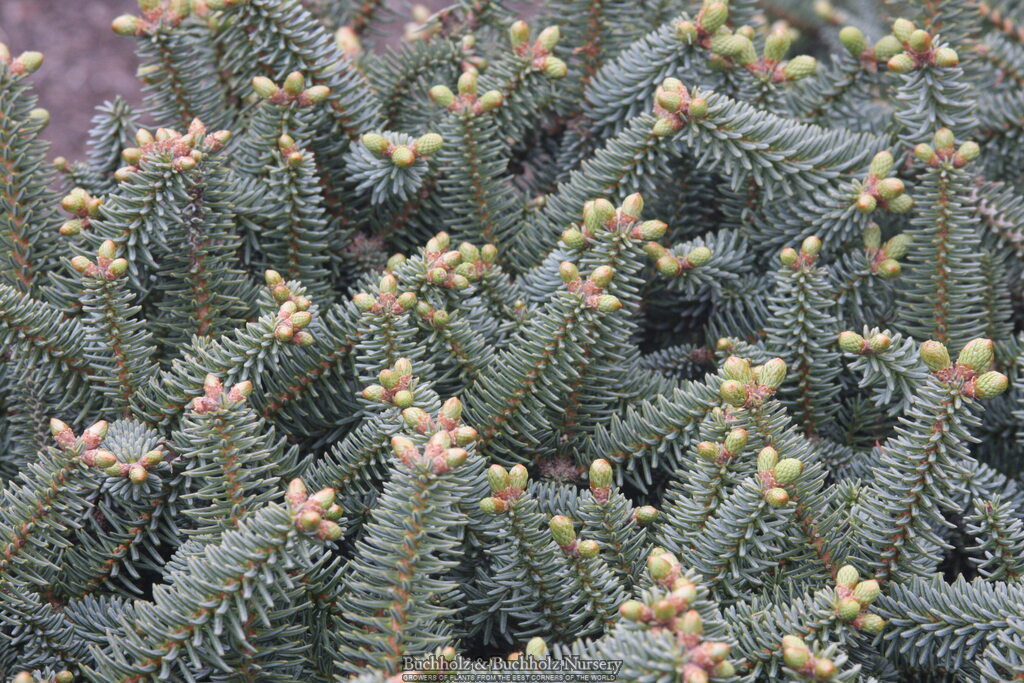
(679, 336)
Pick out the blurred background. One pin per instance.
(85, 63)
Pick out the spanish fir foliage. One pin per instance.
(678, 341)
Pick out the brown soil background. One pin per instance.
(85, 63)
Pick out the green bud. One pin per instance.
(691, 623)
(607, 303)
(264, 87)
(748, 53)
(796, 658)
(492, 99)
(968, 152)
(137, 473)
(318, 93)
(853, 40)
(788, 256)
(866, 591)
(518, 477)
(117, 267)
(698, 108)
(990, 385)
(871, 623)
(669, 100)
(872, 236)
(934, 355)
(64, 677)
(663, 610)
(879, 342)
(901, 203)
(866, 203)
(467, 83)
(946, 57)
(646, 515)
(588, 548)
(698, 256)
(668, 265)
(824, 669)
(943, 139)
(881, 164)
(403, 398)
(924, 153)
(728, 44)
(493, 506)
(811, 246)
(902, 29)
(686, 31)
(799, 67)
(708, 450)
(776, 46)
(497, 478)
(920, 41)
(897, 246)
(663, 127)
(890, 188)
(724, 670)
(403, 157)
(713, 16)
(364, 302)
(428, 144)
(901, 63)
(851, 342)
(633, 205)
(442, 95)
(738, 369)
(736, 441)
(126, 25)
(847, 609)
(887, 48)
(602, 276)
(847, 576)
(601, 474)
(978, 355)
(632, 610)
(767, 459)
(536, 648)
(562, 530)
(309, 520)
(519, 33)
(548, 38)
(787, 471)
(777, 497)
(773, 373)
(104, 459)
(295, 83)
(734, 393)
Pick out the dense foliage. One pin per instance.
(680, 335)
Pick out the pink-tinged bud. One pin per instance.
(81, 264)
(284, 332)
(240, 391)
(93, 436)
(329, 531)
(127, 25)
(303, 338)
(104, 459)
(61, 433)
(137, 473)
(297, 490)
